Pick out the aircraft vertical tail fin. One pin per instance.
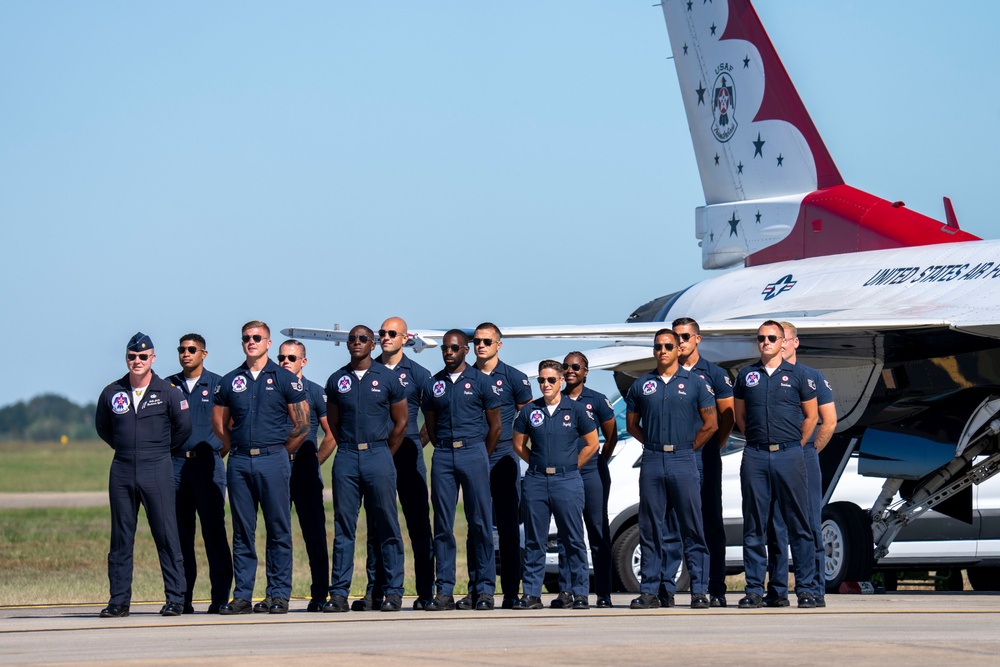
(768, 177)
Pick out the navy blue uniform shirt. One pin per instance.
(773, 403)
(200, 404)
(317, 410)
(459, 406)
(668, 412)
(162, 422)
(259, 408)
(597, 405)
(363, 405)
(717, 379)
(413, 377)
(513, 388)
(824, 392)
(555, 438)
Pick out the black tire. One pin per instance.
(624, 555)
(951, 581)
(891, 580)
(847, 536)
(984, 578)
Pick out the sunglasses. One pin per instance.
(454, 347)
(685, 336)
(488, 342)
(181, 349)
(132, 356)
(352, 338)
(256, 338)
(382, 333)
(291, 357)
(550, 380)
(770, 338)
(663, 346)
(575, 367)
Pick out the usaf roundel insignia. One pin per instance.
(204, 392)
(402, 376)
(680, 386)
(566, 418)
(374, 383)
(499, 383)
(344, 384)
(753, 378)
(468, 385)
(438, 389)
(239, 383)
(536, 418)
(649, 388)
(784, 378)
(271, 381)
(590, 406)
(119, 403)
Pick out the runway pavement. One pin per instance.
(924, 628)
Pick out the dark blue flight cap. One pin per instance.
(140, 342)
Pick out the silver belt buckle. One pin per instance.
(773, 448)
(362, 446)
(550, 471)
(457, 444)
(189, 455)
(254, 452)
(668, 448)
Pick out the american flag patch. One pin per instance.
(184, 405)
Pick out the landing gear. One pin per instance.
(847, 537)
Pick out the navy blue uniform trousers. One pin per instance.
(468, 468)
(261, 481)
(777, 536)
(201, 492)
(669, 480)
(147, 484)
(370, 474)
(779, 478)
(596, 490)
(505, 478)
(307, 497)
(560, 496)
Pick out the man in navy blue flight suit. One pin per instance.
(775, 408)
(142, 418)
(514, 390)
(553, 487)
(462, 415)
(411, 478)
(251, 417)
(364, 398)
(709, 461)
(307, 478)
(777, 533)
(671, 411)
(200, 476)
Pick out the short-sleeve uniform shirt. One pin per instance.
(259, 407)
(363, 404)
(668, 411)
(773, 402)
(513, 388)
(554, 437)
(459, 407)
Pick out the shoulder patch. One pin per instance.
(184, 405)
(525, 382)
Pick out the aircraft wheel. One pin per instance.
(847, 536)
(984, 578)
(626, 557)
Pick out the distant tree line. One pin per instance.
(47, 417)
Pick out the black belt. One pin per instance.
(773, 446)
(257, 451)
(551, 470)
(458, 444)
(362, 446)
(668, 449)
(190, 454)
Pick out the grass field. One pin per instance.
(49, 466)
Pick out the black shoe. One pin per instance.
(562, 601)
(666, 600)
(820, 600)
(485, 602)
(215, 607)
(336, 603)
(392, 602)
(188, 609)
(172, 609)
(466, 603)
(441, 603)
(806, 601)
(645, 601)
(751, 601)
(278, 606)
(115, 611)
(717, 601)
(774, 601)
(529, 602)
(699, 602)
(420, 604)
(508, 603)
(367, 603)
(580, 602)
(604, 602)
(315, 605)
(236, 606)
(264, 606)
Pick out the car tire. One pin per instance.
(984, 578)
(847, 536)
(625, 554)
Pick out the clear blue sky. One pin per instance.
(190, 166)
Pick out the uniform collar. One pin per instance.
(377, 367)
(565, 403)
(499, 369)
(269, 367)
(468, 372)
(681, 373)
(785, 366)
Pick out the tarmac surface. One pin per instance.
(909, 628)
